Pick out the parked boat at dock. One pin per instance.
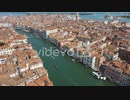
(98, 75)
(73, 60)
(27, 31)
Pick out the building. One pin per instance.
(19, 63)
(124, 54)
(110, 56)
(98, 61)
(125, 79)
(116, 72)
(5, 25)
(6, 50)
(2, 60)
(113, 74)
(47, 31)
(89, 61)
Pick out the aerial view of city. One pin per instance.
(64, 48)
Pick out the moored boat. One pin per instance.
(26, 31)
(98, 75)
(73, 60)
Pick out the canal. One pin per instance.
(68, 73)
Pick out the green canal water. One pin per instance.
(68, 72)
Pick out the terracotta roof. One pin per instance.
(31, 84)
(39, 82)
(127, 71)
(98, 55)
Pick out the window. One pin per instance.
(2, 60)
(87, 60)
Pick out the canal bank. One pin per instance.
(68, 72)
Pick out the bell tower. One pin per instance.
(77, 16)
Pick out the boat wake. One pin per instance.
(52, 57)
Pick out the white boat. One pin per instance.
(98, 75)
(104, 78)
(26, 31)
(38, 36)
(73, 60)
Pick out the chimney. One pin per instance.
(27, 65)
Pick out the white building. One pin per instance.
(24, 69)
(36, 66)
(115, 57)
(127, 24)
(13, 75)
(5, 25)
(103, 45)
(31, 79)
(8, 51)
(21, 41)
(86, 44)
(89, 61)
(2, 60)
(46, 32)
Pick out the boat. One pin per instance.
(27, 31)
(38, 36)
(73, 60)
(104, 78)
(98, 75)
(56, 67)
